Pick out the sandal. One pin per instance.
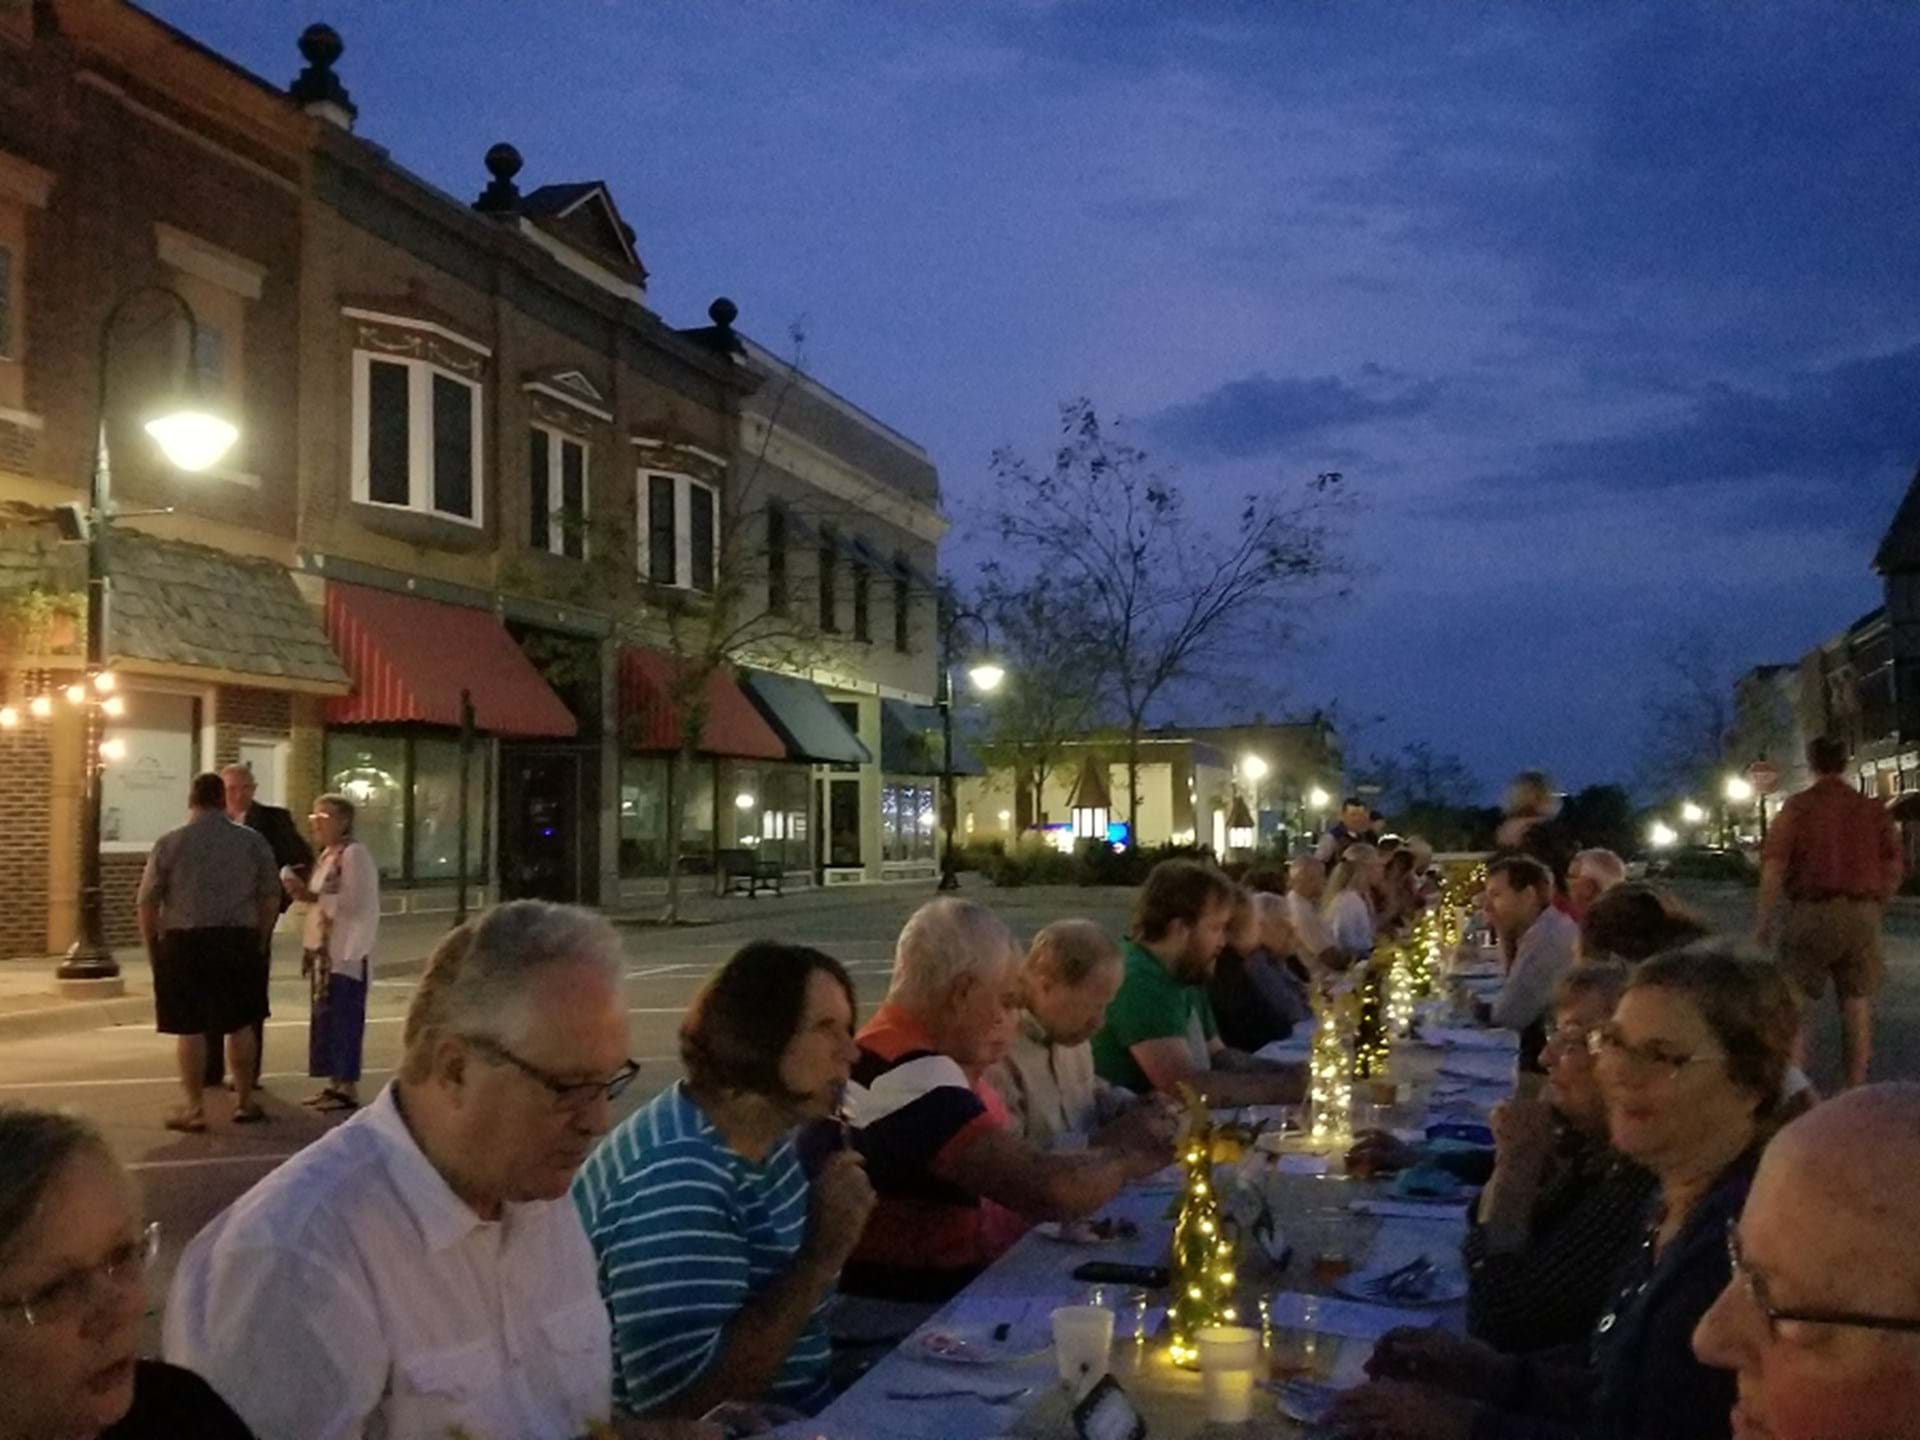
(247, 1115)
(334, 1102)
(322, 1098)
(187, 1122)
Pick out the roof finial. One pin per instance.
(502, 196)
(317, 88)
(723, 312)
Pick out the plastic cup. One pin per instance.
(1082, 1342)
(1384, 1093)
(1228, 1357)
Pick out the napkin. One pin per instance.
(1350, 1319)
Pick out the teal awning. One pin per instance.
(804, 719)
(911, 742)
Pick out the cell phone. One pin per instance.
(1107, 1272)
(1107, 1414)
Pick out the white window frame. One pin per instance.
(420, 377)
(556, 489)
(683, 487)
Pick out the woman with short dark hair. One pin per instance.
(717, 1254)
(73, 1257)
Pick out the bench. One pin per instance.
(744, 869)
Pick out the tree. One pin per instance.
(1051, 692)
(1602, 815)
(1689, 714)
(1430, 793)
(1164, 597)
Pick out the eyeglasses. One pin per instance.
(1570, 1040)
(1605, 1043)
(567, 1094)
(72, 1296)
(1756, 1287)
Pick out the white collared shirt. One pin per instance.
(351, 1293)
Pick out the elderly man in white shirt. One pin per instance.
(420, 1271)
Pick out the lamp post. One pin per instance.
(985, 677)
(192, 438)
(1738, 790)
(1255, 769)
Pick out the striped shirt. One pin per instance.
(687, 1231)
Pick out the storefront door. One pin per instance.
(540, 826)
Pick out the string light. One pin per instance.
(115, 750)
(1204, 1248)
(41, 706)
(105, 681)
(1329, 1074)
(9, 717)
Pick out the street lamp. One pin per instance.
(1739, 791)
(1256, 770)
(985, 676)
(192, 438)
(1318, 799)
(1691, 813)
(1239, 825)
(1661, 835)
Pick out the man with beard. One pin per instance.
(1160, 1032)
(1821, 1320)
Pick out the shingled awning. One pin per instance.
(180, 607)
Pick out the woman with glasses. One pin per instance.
(1690, 1066)
(73, 1259)
(343, 920)
(717, 1254)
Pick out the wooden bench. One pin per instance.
(744, 869)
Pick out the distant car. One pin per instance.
(1703, 862)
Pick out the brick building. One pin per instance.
(475, 470)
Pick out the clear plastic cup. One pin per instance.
(1229, 1355)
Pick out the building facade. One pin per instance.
(500, 551)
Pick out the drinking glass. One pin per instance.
(1082, 1341)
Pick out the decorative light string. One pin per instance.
(1205, 1245)
(1329, 1073)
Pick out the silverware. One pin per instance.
(985, 1397)
(1412, 1281)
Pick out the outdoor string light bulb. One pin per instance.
(9, 717)
(113, 749)
(1318, 798)
(1329, 1074)
(76, 694)
(113, 706)
(41, 706)
(1204, 1246)
(105, 681)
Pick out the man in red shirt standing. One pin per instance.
(1835, 855)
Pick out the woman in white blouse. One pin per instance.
(343, 919)
(1348, 907)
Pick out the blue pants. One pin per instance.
(337, 1030)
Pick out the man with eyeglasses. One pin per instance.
(1821, 1320)
(420, 1271)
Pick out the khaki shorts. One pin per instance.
(1838, 938)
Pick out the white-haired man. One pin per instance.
(1590, 874)
(1821, 1320)
(956, 1186)
(420, 1271)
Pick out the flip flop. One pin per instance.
(185, 1123)
(247, 1115)
(334, 1102)
(322, 1098)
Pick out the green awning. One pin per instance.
(804, 719)
(911, 742)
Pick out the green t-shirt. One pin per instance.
(1151, 1005)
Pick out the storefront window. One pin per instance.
(394, 780)
(371, 771)
(783, 817)
(143, 794)
(436, 808)
(643, 817)
(907, 815)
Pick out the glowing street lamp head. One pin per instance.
(1692, 813)
(113, 750)
(104, 681)
(191, 437)
(76, 693)
(1254, 768)
(1318, 799)
(743, 801)
(41, 706)
(1739, 789)
(986, 677)
(1662, 836)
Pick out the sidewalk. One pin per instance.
(29, 1008)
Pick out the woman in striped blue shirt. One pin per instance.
(717, 1255)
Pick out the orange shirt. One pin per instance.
(1836, 842)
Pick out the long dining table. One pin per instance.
(982, 1366)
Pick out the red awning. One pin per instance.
(410, 659)
(733, 727)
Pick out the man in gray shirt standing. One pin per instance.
(207, 903)
(1542, 942)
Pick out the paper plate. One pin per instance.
(1449, 1286)
(1104, 1230)
(972, 1345)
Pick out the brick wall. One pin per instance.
(241, 713)
(26, 785)
(119, 883)
(19, 445)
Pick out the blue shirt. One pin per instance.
(687, 1231)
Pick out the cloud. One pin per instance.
(1262, 414)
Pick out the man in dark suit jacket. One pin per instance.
(289, 848)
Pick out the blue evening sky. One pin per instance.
(1610, 313)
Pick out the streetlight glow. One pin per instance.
(105, 681)
(1661, 835)
(1692, 813)
(41, 706)
(743, 801)
(192, 439)
(114, 706)
(76, 694)
(1739, 789)
(113, 749)
(1318, 798)
(1254, 768)
(986, 677)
